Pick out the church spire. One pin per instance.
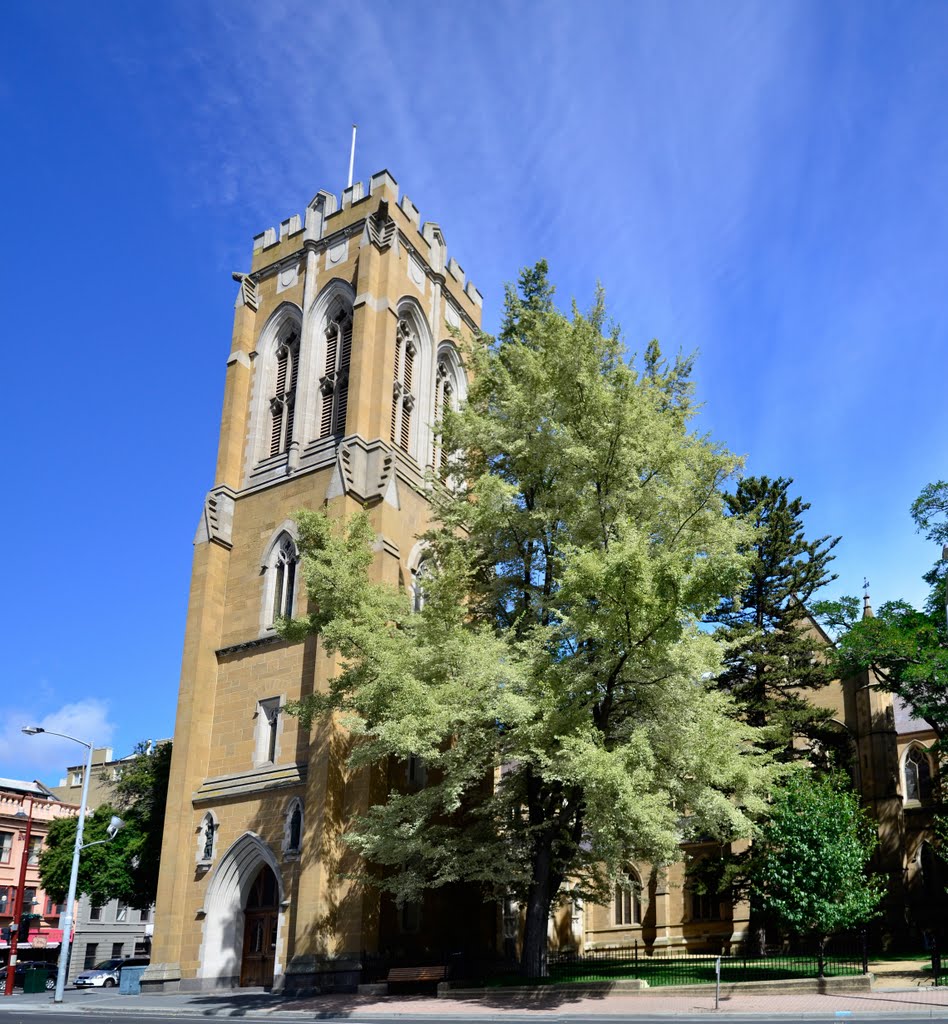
(866, 604)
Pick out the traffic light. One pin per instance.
(26, 922)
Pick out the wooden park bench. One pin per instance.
(416, 975)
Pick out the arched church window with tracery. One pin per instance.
(917, 772)
(284, 578)
(627, 901)
(449, 390)
(444, 399)
(282, 401)
(334, 383)
(403, 400)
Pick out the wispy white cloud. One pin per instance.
(758, 181)
(47, 757)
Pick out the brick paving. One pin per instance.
(901, 1001)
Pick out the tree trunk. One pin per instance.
(533, 960)
(821, 957)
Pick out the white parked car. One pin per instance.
(106, 974)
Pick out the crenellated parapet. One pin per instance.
(329, 221)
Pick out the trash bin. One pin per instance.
(130, 981)
(34, 979)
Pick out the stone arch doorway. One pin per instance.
(260, 930)
(227, 901)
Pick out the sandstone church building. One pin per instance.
(344, 354)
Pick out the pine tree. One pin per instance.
(775, 653)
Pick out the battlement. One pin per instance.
(313, 225)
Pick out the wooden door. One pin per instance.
(260, 931)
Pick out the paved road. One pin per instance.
(46, 1016)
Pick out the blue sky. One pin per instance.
(763, 183)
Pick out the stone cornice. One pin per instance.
(254, 780)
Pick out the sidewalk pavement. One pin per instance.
(881, 1001)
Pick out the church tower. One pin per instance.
(344, 352)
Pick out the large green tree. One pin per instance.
(556, 681)
(126, 867)
(808, 868)
(774, 654)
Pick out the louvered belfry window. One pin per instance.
(444, 399)
(334, 384)
(403, 401)
(282, 400)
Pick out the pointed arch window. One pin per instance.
(917, 772)
(282, 401)
(403, 400)
(284, 579)
(293, 827)
(296, 828)
(705, 906)
(449, 392)
(444, 400)
(627, 901)
(334, 383)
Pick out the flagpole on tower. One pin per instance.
(352, 155)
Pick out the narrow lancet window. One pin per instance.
(403, 400)
(334, 384)
(284, 395)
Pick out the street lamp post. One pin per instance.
(74, 874)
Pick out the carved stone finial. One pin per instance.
(380, 227)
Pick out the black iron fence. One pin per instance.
(839, 958)
(603, 965)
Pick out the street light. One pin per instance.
(33, 730)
